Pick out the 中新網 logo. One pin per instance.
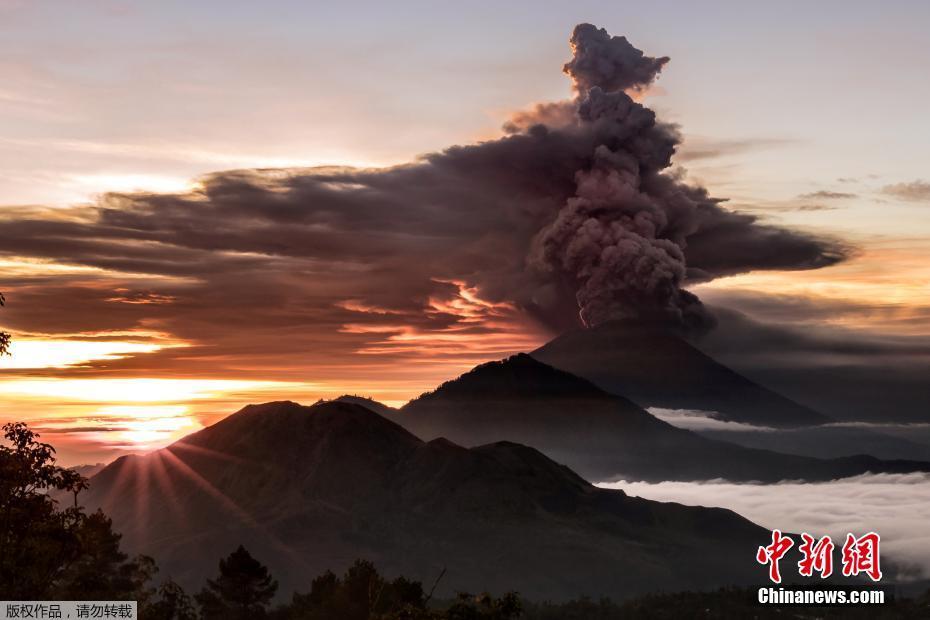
(859, 555)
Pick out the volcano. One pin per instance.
(656, 367)
(307, 489)
(600, 435)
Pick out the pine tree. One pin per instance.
(243, 589)
(102, 572)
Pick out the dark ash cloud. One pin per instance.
(552, 114)
(609, 63)
(574, 210)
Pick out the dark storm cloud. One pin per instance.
(574, 209)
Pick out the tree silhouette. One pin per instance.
(173, 603)
(243, 589)
(4, 337)
(37, 541)
(485, 607)
(361, 593)
(50, 553)
(102, 572)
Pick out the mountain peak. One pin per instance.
(368, 403)
(269, 407)
(285, 431)
(311, 488)
(523, 400)
(656, 367)
(517, 376)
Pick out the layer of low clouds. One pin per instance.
(695, 420)
(886, 440)
(897, 506)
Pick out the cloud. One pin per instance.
(881, 426)
(815, 208)
(791, 206)
(476, 250)
(810, 310)
(915, 191)
(696, 148)
(552, 114)
(885, 440)
(828, 195)
(849, 374)
(695, 420)
(897, 506)
(609, 63)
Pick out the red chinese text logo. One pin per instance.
(773, 553)
(859, 555)
(817, 556)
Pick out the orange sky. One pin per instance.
(112, 354)
(68, 382)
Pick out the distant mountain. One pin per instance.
(368, 403)
(654, 367)
(307, 489)
(600, 435)
(87, 470)
(828, 441)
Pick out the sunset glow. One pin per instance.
(194, 219)
(61, 353)
(130, 390)
(886, 287)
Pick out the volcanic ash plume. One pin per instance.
(621, 238)
(609, 62)
(573, 212)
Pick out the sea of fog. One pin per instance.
(897, 506)
(889, 440)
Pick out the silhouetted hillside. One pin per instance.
(600, 435)
(368, 403)
(312, 488)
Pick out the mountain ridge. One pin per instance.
(347, 483)
(600, 435)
